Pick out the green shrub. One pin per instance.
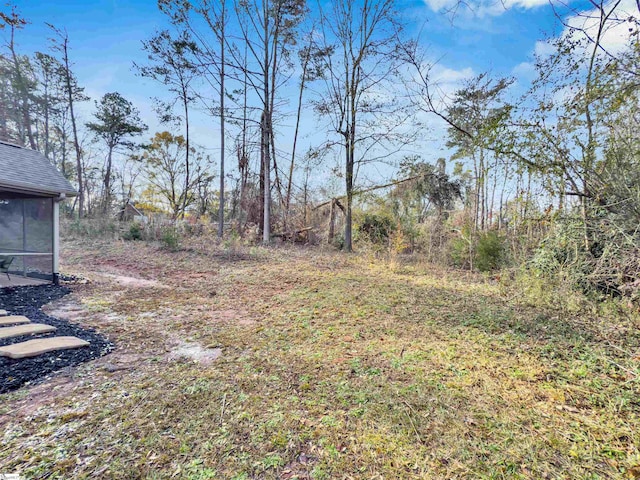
(484, 251)
(170, 239)
(461, 248)
(134, 233)
(232, 243)
(338, 241)
(91, 228)
(376, 227)
(75, 227)
(489, 251)
(610, 267)
(460, 252)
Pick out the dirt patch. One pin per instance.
(195, 276)
(67, 309)
(39, 396)
(237, 317)
(140, 336)
(133, 282)
(122, 361)
(196, 352)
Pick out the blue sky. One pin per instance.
(106, 38)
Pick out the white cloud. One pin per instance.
(524, 70)
(498, 7)
(445, 81)
(525, 3)
(615, 37)
(444, 75)
(438, 5)
(483, 8)
(543, 48)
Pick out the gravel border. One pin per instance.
(28, 301)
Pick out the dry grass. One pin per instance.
(332, 367)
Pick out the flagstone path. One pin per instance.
(13, 326)
(13, 320)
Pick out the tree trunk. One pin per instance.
(187, 176)
(476, 206)
(332, 222)
(482, 190)
(287, 204)
(528, 200)
(266, 225)
(76, 143)
(46, 122)
(244, 161)
(222, 114)
(504, 186)
(4, 133)
(348, 243)
(266, 132)
(107, 182)
(262, 176)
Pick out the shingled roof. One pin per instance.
(25, 170)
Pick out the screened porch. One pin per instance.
(26, 239)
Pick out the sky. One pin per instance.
(106, 37)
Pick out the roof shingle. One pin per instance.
(28, 170)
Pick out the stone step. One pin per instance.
(3, 313)
(38, 346)
(28, 329)
(12, 319)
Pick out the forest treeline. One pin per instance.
(542, 177)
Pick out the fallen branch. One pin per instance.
(367, 190)
(289, 235)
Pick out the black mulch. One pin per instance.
(28, 301)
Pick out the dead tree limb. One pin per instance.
(366, 190)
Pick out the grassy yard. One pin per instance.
(332, 366)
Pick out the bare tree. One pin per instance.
(210, 58)
(171, 64)
(222, 40)
(362, 38)
(268, 27)
(312, 69)
(74, 94)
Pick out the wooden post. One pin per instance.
(24, 236)
(56, 239)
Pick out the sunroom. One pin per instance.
(31, 190)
